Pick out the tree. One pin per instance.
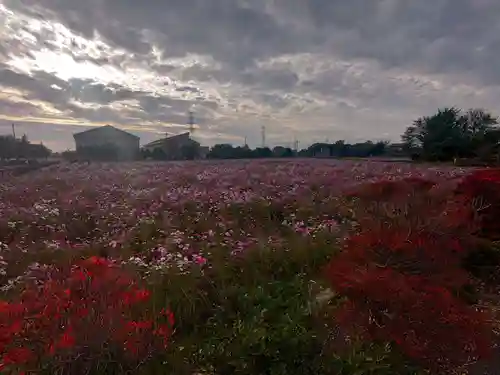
(221, 151)
(190, 151)
(449, 134)
(263, 152)
(11, 148)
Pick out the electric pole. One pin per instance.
(263, 136)
(191, 122)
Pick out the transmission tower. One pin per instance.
(263, 130)
(191, 122)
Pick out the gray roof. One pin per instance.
(90, 131)
(161, 141)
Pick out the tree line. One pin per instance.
(447, 135)
(337, 149)
(21, 148)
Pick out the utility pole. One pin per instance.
(191, 122)
(245, 144)
(263, 136)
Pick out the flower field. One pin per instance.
(248, 267)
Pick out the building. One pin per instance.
(107, 143)
(177, 147)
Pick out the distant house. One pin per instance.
(107, 143)
(177, 147)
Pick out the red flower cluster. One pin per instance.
(435, 256)
(426, 321)
(401, 279)
(483, 187)
(391, 189)
(79, 316)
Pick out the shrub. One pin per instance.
(483, 188)
(87, 315)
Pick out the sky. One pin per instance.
(309, 70)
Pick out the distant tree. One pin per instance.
(341, 149)
(6, 147)
(227, 151)
(263, 152)
(221, 151)
(378, 148)
(69, 155)
(282, 152)
(12, 148)
(288, 153)
(449, 134)
(190, 151)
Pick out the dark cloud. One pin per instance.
(393, 32)
(368, 67)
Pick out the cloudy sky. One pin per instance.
(306, 69)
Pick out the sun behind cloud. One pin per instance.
(304, 69)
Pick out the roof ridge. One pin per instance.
(105, 126)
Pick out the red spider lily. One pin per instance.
(78, 312)
(484, 187)
(170, 316)
(423, 319)
(423, 253)
(16, 356)
(400, 277)
(392, 189)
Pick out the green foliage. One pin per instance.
(342, 149)
(257, 314)
(227, 151)
(450, 134)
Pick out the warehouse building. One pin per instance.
(107, 143)
(177, 147)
